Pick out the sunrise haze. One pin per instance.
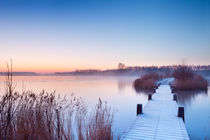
(59, 35)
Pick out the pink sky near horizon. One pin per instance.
(53, 66)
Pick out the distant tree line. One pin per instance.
(138, 70)
(124, 70)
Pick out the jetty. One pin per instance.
(159, 119)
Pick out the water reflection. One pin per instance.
(187, 97)
(124, 82)
(197, 113)
(142, 91)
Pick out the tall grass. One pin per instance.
(100, 123)
(186, 79)
(47, 116)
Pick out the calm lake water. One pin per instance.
(119, 94)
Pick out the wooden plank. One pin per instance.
(159, 120)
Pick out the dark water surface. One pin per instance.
(119, 94)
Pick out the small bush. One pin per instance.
(186, 79)
(147, 81)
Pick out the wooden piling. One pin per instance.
(139, 109)
(175, 98)
(149, 97)
(181, 113)
(172, 90)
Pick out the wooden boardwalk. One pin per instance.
(159, 120)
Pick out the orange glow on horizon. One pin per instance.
(41, 66)
(51, 69)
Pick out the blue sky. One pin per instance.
(61, 35)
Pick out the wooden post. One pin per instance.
(149, 97)
(172, 90)
(181, 113)
(139, 109)
(175, 98)
(154, 90)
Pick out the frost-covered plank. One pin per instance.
(159, 119)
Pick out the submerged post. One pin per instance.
(139, 109)
(175, 98)
(149, 97)
(181, 113)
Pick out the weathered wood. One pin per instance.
(159, 120)
(150, 97)
(181, 113)
(175, 97)
(172, 90)
(139, 109)
(154, 90)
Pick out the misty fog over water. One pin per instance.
(121, 96)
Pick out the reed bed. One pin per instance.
(186, 79)
(48, 116)
(147, 81)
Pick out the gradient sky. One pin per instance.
(61, 35)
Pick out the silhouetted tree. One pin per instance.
(121, 66)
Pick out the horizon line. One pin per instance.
(95, 69)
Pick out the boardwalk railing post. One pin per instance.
(149, 97)
(181, 113)
(154, 90)
(175, 97)
(172, 90)
(139, 109)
